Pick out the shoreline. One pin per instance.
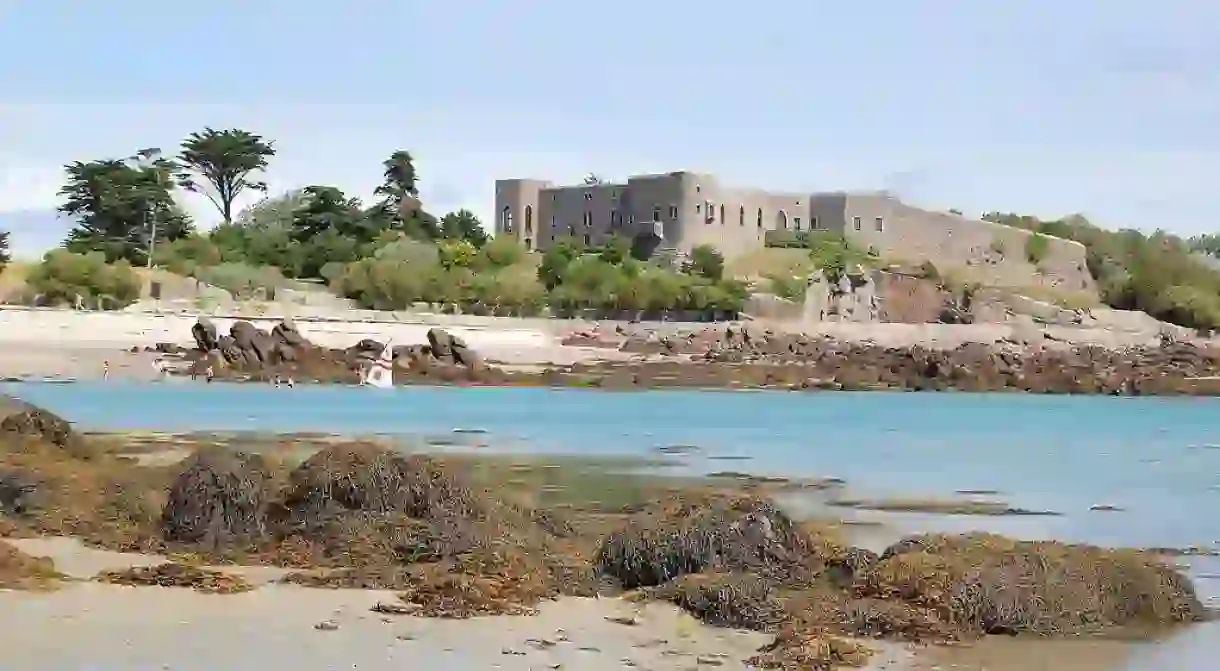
(596, 633)
(507, 352)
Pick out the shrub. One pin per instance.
(789, 287)
(1037, 246)
(62, 277)
(500, 253)
(835, 254)
(243, 281)
(185, 255)
(705, 261)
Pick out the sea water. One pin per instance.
(1156, 459)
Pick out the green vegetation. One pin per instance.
(1158, 273)
(393, 252)
(5, 256)
(499, 279)
(64, 278)
(1037, 246)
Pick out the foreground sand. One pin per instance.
(116, 627)
(277, 626)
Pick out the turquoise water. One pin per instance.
(1158, 459)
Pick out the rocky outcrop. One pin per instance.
(249, 352)
(767, 358)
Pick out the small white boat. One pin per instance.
(380, 373)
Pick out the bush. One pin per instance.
(62, 277)
(1036, 248)
(835, 254)
(243, 281)
(788, 287)
(705, 261)
(500, 253)
(185, 255)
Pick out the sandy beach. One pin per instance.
(68, 343)
(117, 627)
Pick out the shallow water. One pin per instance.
(1156, 458)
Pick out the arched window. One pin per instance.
(741, 216)
(529, 219)
(781, 221)
(506, 218)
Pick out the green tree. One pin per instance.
(463, 225)
(615, 250)
(6, 256)
(121, 207)
(454, 253)
(555, 262)
(400, 204)
(834, 253)
(187, 254)
(501, 252)
(705, 261)
(328, 208)
(221, 164)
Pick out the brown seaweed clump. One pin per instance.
(21, 571)
(363, 504)
(177, 575)
(680, 537)
(987, 584)
(31, 422)
(218, 501)
(375, 518)
(795, 648)
(734, 600)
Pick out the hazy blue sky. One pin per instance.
(1109, 108)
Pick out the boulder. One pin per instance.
(441, 345)
(204, 332)
(286, 333)
(256, 344)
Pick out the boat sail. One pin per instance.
(380, 373)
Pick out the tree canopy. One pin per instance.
(221, 164)
(1158, 273)
(120, 204)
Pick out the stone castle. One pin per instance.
(678, 211)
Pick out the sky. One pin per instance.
(1047, 107)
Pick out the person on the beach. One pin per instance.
(208, 373)
(105, 370)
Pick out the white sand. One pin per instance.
(67, 343)
(89, 625)
(97, 626)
